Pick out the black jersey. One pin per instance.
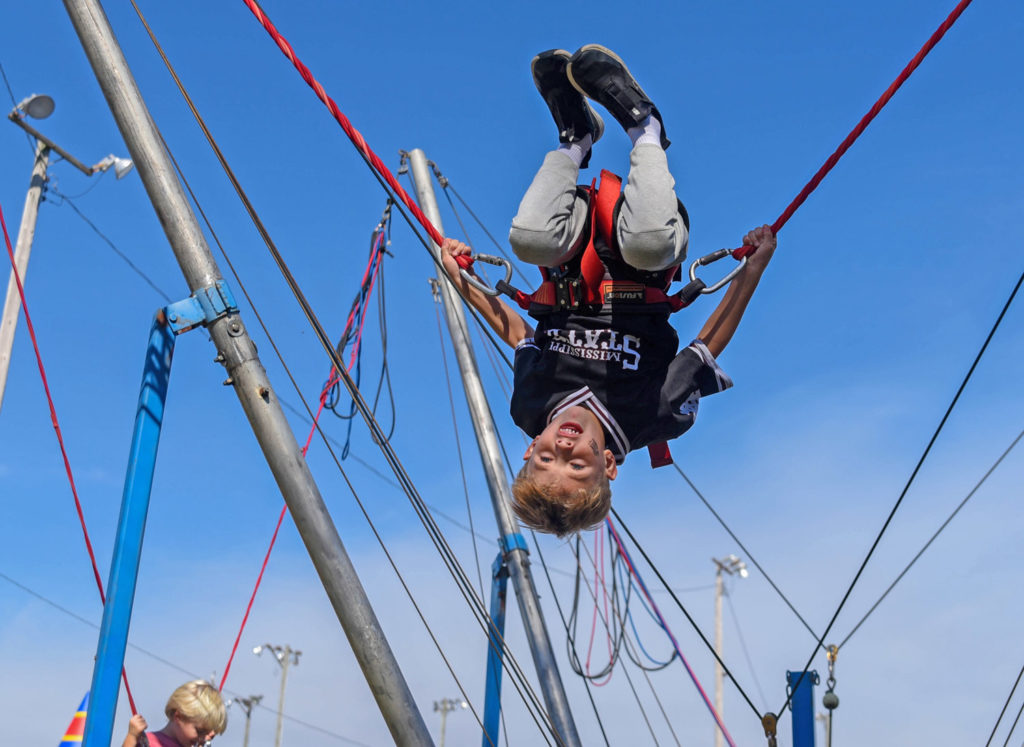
(624, 368)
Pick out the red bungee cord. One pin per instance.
(844, 146)
(60, 437)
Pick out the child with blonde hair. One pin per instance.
(195, 715)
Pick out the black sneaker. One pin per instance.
(571, 111)
(599, 74)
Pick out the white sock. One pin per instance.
(647, 132)
(578, 151)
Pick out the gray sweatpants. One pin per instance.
(650, 230)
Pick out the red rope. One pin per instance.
(370, 275)
(352, 132)
(60, 437)
(861, 126)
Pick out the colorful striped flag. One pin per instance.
(73, 734)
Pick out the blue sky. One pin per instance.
(885, 284)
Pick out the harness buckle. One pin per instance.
(479, 285)
(568, 292)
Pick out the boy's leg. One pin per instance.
(651, 232)
(551, 216)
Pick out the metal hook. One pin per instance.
(491, 260)
(714, 257)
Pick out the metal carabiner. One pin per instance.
(714, 257)
(491, 260)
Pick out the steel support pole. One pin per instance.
(131, 527)
(802, 706)
(22, 250)
(249, 379)
(497, 478)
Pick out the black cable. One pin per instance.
(534, 707)
(746, 653)
(683, 609)
(743, 548)
(111, 244)
(446, 186)
(455, 427)
(1005, 706)
(932, 539)
(166, 662)
(906, 488)
(1013, 726)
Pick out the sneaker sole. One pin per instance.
(567, 56)
(610, 53)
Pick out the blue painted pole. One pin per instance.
(802, 706)
(495, 636)
(131, 526)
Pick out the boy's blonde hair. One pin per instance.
(549, 509)
(201, 703)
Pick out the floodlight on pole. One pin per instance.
(285, 657)
(730, 564)
(37, 106)
(446, 706)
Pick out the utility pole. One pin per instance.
(37, 106)
(730, 564)
(237, 353)
(513, 545)
(285, 657)
(446, 706)
(247, 705)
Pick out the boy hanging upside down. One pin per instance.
(595, 381)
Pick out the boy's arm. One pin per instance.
(136, 726)
(503, 319)
(722, 323)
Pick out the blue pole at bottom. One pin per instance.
(495, 638)
(802, 705)
(131, 526)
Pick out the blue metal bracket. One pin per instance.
(495, 639)
(511, 542)
(204, 306)
(802, 705)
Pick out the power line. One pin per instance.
(910, 481)
(932, 539)
(162, 660)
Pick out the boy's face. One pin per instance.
(570, 451)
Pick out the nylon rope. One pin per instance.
(534, 707)
(353, 134)
(60, 437)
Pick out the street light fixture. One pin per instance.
(446, 706)
(285, 657)
(730, 564)
(37, 106)
(247, 705)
